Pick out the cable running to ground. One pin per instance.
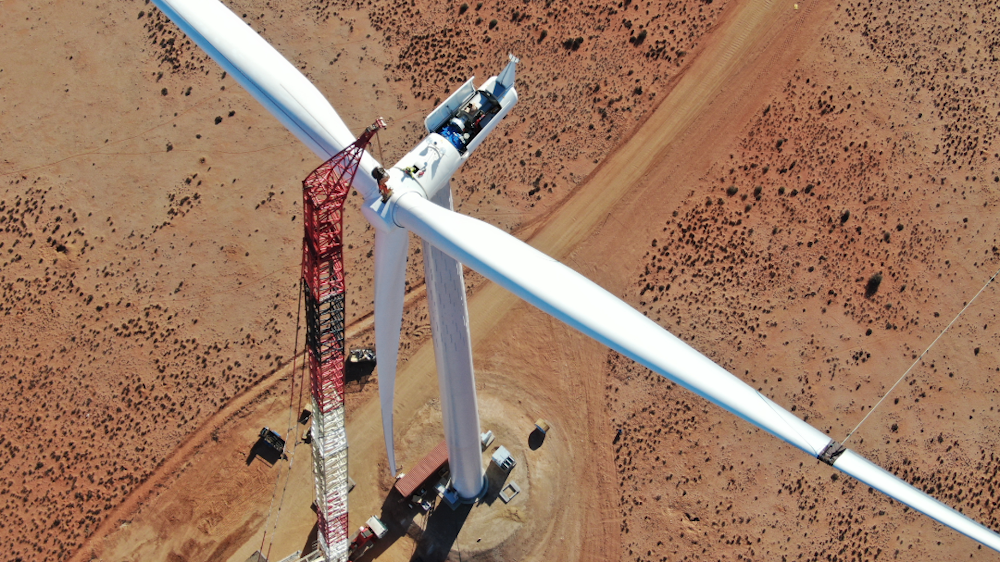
(291, 427)
(288, 435)
(920, 358)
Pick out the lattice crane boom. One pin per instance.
(324, 193)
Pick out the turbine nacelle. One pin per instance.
(457, 127)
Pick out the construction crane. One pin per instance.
(324, 192)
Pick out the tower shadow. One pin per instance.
(443, 527)
(496, 478)
(397, 515)
(433, 542)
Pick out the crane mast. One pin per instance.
(324, 193)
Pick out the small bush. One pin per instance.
(873, 283)
(641, 37)
(463, 8)
(731, 190)
(781, 191)
(845, 216)
(756, 191)
(543, 36)
(493, 23)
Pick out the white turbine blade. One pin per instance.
(268, 76)
(449, 316)
(574, 299)
(875, 476)
(390, 287)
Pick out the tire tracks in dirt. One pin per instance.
(172, 466)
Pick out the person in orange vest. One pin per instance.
(382, 177)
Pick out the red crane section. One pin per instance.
(324, 193)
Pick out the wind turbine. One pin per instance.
(414, 196)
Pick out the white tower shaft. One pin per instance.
(453, 355)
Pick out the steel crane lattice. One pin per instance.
(324, 192)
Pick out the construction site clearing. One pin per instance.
(413, 507)
(430, 477)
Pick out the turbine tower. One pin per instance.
(455, 129)
(414, 196)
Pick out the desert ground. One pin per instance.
(801, 191)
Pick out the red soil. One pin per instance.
(141, 244)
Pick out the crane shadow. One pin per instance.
(311, 541)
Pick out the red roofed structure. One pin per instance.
(424, 469)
